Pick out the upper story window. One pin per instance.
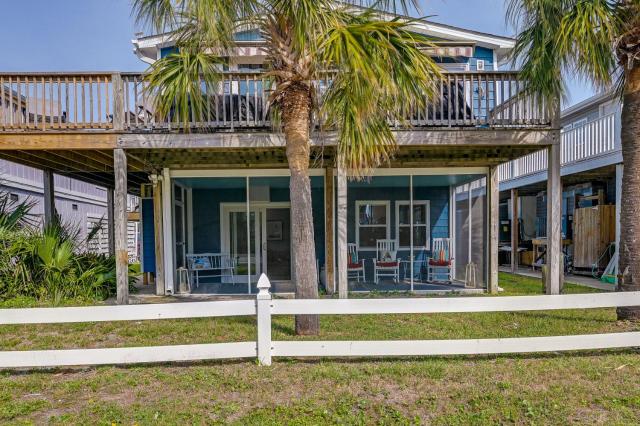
(250, 35)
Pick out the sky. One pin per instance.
(95, 35)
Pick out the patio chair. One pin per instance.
(440, 263)
(355, 265)
(386, 263)
(210, 265)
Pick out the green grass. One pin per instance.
(598, 387)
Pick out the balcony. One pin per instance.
(121, 103)
(585, 144)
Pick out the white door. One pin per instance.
(234, 240)
(180, 224)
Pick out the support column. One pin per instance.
(493, 196)
(619, 171)
(167, 230)
(158, 234)
(110, 222)
(554, 271)
(329, 197)
(49, 196)
(515, 230)
(341, 213)
(120, 221)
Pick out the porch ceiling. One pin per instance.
(594, 175)
(406, 156)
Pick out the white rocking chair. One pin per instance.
(386, 263)
(440, 263)
(355, 266)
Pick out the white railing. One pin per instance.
(590, 140)
(264, 307)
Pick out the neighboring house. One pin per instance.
(218, 201)
(79, 204)
(591, 169)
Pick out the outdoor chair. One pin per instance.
(355, 266)
(386, 263)
(440, 263)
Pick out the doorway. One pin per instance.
(269, 228)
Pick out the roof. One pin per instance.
(146, 47)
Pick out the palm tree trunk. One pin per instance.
(629, 251)
(296, 107)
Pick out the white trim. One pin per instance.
(427, 204)
(359, 203)
(430, 171)
(189, 224)
(167, 230)
(239, 173)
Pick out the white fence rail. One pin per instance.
(589, 140)
(264, 348)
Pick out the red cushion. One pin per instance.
(355, 265)
(387, 264)
(434, 262)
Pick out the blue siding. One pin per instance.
(148, 236)
(484, 54)
(166, 51)
(438, 198)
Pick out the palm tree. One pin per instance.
(598, 40)
(377, 69)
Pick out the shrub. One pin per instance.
(50, 264)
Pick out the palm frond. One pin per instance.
(177, 83)
(381, 72)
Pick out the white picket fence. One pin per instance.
(264, 307)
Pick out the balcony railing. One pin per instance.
(123, 102)
(590, 140)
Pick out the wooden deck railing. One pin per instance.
(123, 102)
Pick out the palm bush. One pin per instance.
(49, 264)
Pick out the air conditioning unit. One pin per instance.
(480, 65)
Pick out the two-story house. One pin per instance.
(215, 203)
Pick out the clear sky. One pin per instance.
(95, 35)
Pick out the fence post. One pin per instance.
(118, 101)
(263, 313)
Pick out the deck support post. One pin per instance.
(120, 221)
(493, 194)
(619, 173)
(554, 222)
(167, 230)
(111, 231)
(515, 230)
(329, 264)
(158, 234)
(341, 213)
(49, 196)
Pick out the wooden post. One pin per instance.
(329, 196)
(554, 221)
(263, 314)
(515, 228)
(167, 230)
(118, 101)
(619, 173)
(49, 196)
(493, 194)
(120, 220)
(341, 213)
(158, 233)
(110, 222)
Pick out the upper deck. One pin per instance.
(122, 103)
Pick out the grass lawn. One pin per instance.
(598, 387)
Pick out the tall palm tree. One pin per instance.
(598, 40)
(377, 69)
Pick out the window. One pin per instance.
(421, 225)
(372, 223)
(74, 207)
(14, 197)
